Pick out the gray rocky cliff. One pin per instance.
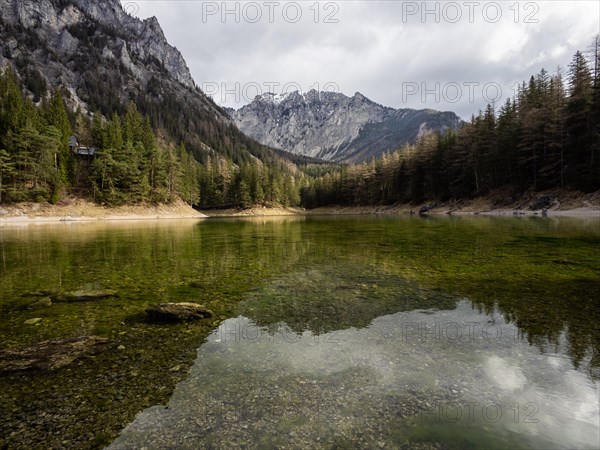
(65, 40)
(334, 127)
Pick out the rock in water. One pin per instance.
(33, 321)
(83, 295)
(39, 294)
(178, 312)
(42, 303)
(49, 355)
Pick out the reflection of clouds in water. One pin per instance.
(354, 374)
(551, 398)
(576, 398)
(560, 406)
(504, 375)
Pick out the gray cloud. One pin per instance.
(379, 48)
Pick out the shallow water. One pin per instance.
(396, 380)
(349, 332)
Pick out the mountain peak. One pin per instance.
(332, 126)
(271, 97)
(153, 22)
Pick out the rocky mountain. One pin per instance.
(101, 58)
(66, 40)
(334, 127)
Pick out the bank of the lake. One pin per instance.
(257, 211)
(547, 203)
(441, 210)
(75, 209)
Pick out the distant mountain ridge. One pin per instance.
(333, 127)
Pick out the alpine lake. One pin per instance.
(327, 332)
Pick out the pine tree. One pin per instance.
(579, 160)
(11, 104)
(189, 178)
(508, 132)
(553, 168)
(595, 116)
(56, 115)
(7, 170)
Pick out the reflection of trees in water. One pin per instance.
(144, 258)
(336, 297)
(549, 312)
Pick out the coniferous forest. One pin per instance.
(133, 163)
(548, 136)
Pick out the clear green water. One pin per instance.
(334, 332)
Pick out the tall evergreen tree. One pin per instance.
(578, 125)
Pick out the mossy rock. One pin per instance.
(50, 355)
(82, 295)
(44, 302)
(178, 312)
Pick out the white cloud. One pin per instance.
(376, 46)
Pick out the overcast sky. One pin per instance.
(443, 55)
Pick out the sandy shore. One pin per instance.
(256, 211)
(78, 210)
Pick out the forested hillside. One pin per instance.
(36, 163)
(546, 137)
(131, 165)
(118, 85)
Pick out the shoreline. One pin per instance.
(550, 203)
(75, 210)
(83, 211)
(255, 211)
(400, 210)
(444, 211)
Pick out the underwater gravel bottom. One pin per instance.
(453, 378)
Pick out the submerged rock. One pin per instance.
(41, 303)
(41, 293)
(49, 355)
(178, 312)
(83, 295)
(33, 321)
